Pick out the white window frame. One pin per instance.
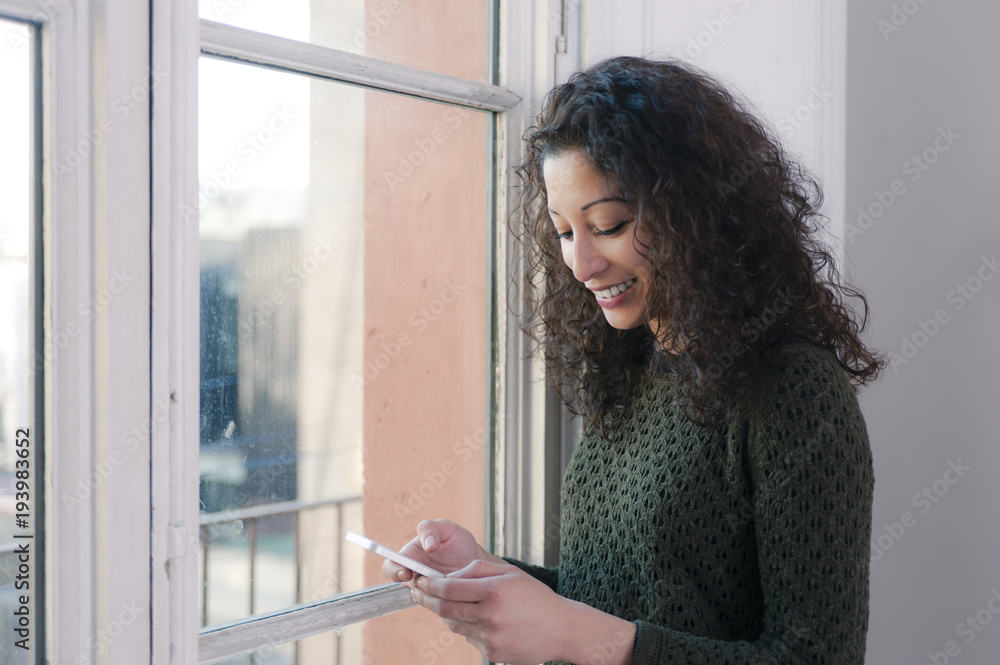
(121, 562)
(95, 213)
(245, 636)
(540, 45)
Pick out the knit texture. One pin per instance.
(747, 543)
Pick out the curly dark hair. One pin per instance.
(736, 264)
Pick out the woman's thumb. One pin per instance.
(430, 533)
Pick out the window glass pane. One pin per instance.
(19, 491)
(438, 35)
(281, 576)
(344, 360)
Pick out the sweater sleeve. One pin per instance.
(811, 469)
(548, 576)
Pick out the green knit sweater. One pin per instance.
(743, 544)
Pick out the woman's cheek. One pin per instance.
(567, 256)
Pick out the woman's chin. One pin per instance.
(619, 322)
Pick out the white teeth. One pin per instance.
(615, 290)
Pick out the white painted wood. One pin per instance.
(515, 63)
(260, 633)
(26, 10)
(778, 54)
(527, 496)
(569, 61)
(327, 63)
(97, 296)
(528, 468)
(121, 381)
(831, 125)
(69, 444)
(175, 349)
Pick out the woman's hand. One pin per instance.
(442, 545)
(505, 613)
(513, 618)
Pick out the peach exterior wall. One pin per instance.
(426, 226)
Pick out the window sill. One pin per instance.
(217, 643)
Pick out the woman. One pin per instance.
(718, 508)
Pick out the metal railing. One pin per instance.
(250, 517)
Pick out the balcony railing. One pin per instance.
(249, 519)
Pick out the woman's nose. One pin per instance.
(587, 259)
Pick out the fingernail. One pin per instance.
(429, 541)
(401, 575)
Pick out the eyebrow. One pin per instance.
(593, 203)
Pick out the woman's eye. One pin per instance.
(611, 232)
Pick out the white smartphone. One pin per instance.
(393, 555)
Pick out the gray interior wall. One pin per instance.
(918, 71)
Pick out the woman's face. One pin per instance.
(595, 228)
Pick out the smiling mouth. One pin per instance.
(615, 290)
